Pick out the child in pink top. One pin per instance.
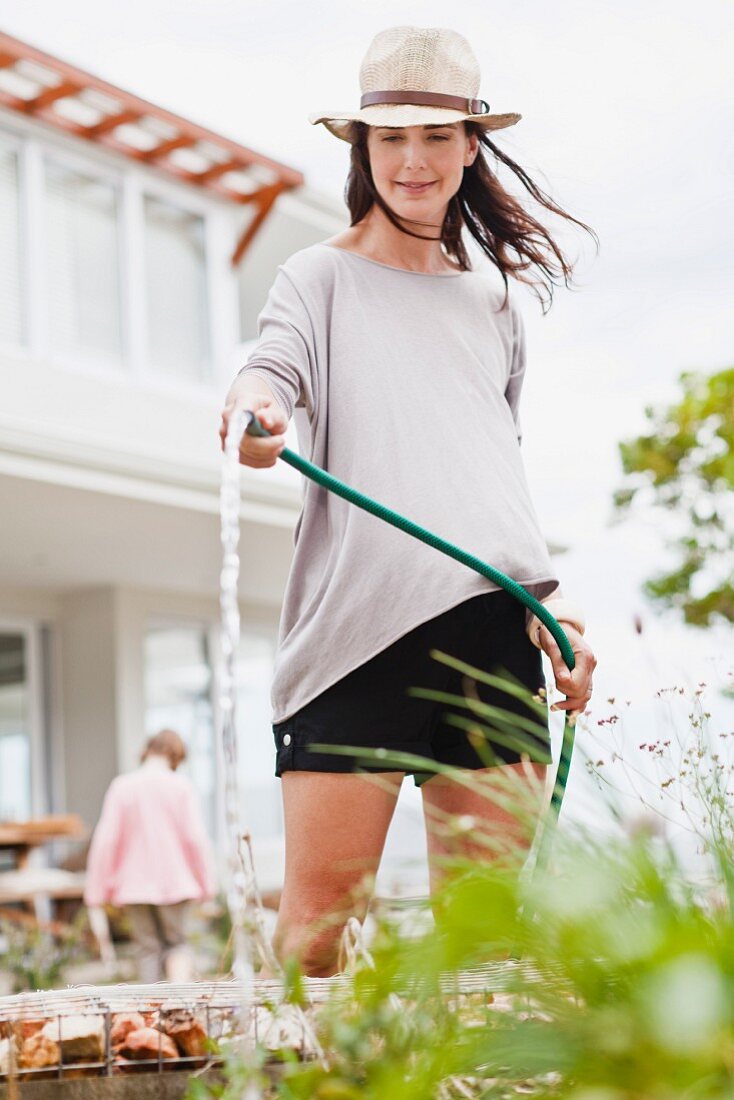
(150, 854)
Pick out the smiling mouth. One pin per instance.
(413, 188)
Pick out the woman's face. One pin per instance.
(432, 156)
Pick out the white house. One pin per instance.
(137, 250)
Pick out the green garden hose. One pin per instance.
(327, 481)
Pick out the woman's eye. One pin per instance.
(433, 137)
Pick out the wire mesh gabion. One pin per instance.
(123, 1029)
(96, 1030)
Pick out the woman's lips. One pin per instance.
(415, 189)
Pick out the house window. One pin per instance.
(15, 729)
(178, 696)
(11, 319)
(176, 292)
(83, 264)
(260, 790)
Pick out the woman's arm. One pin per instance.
(576, 685)
(561, 609)
(280, 373)
(513, 390)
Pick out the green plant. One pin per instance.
(612, 967)
(684, 466)
(37, 954)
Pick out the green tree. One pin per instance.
(685, 466)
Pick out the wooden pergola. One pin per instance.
(38, 85)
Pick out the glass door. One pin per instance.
(178, 697)
(21, 773)
(181, 693)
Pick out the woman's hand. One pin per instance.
(256, 451)
(576, 685)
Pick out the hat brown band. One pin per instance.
(427, 99)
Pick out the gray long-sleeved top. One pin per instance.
(406, 386)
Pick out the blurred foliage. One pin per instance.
(38, 955)
(612, 966)
(685, 464)
(211, 938)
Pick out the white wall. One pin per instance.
(111, 474)
(87, 631)
(130, 416)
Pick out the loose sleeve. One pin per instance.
(196, 843)
(285, 354)
(513, 390)
(516, 376)
(556, 594)
(104, 850)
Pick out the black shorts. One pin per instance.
(370, 707)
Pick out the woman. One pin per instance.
(403, 368)
(150, 854)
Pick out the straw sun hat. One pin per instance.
(411, 76)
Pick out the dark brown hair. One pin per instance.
(512, 239)
(165, 743)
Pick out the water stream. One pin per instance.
(240, 876)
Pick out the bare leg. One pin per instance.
(149, 947)
(335, 829)
(178, 960)
(478, 823)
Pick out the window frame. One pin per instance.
(28, 629)
(14, 143)
(212, 630)
(35, 143)
(164, 191)
(86, 362)
(208, 629)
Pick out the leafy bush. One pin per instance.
(684, 468)
(37, 956)
(611, 967)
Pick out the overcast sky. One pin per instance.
(627, 121)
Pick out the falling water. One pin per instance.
(239, 879)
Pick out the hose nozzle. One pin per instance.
(253, 425)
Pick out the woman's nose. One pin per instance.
(414, 155)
